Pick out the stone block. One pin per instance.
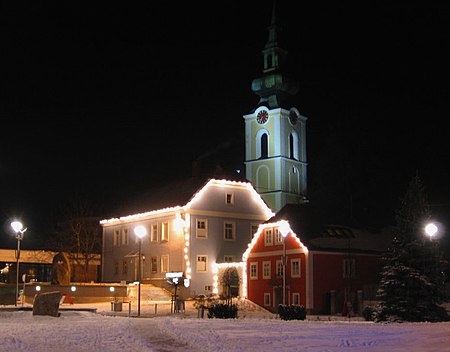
(47, 303)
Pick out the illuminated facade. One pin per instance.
(214, 226)
(327, 268)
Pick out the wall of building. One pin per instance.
(329, 276)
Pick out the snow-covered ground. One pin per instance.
(102, 331)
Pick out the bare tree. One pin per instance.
(78, 234)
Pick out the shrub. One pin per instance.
(293, 312)
(369, 313)
(223, 311)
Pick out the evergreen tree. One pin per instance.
(412, 285)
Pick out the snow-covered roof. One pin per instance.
(317, 235)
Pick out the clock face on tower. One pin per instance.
(262, 117)
(293, 117)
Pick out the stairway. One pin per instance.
(149, 292)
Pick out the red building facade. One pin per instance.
(335, 273)
(264, 263)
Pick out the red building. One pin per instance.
(328, 269)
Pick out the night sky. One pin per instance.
(107, 100)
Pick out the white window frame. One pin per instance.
(117, 237)
(229, 258)
(253, 270)
(154, 232)
(165, 231)
(165, 263)
(153, 264)
(279, 272)
(202, 256)
(124, 239)
(267, 267)
(278, 236)
(293, 261)
(201, 232)
(268, 237)
(226, 228)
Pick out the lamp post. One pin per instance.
(140, 232)
(19, 230)
(284, 230)
(431, 229)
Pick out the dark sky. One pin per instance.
(107, 99)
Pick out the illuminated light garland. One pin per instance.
(215, 270)
(181, 225)
(140, 216)
(186, 228)
(178, 224)
(222, 183)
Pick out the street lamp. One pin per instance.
(284, 230)
(140, 232)
(19, 230)
(431, 229)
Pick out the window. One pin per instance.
(264, 146)
(116, 239)
(267, 299)
(208, 288)
(279, 268)
(253, 270)
(154, 264)
(164, 263)
(253, 230)
(349, 268)
(296, 298)
(154, 235)
(116, 267)
(229, 232)
(202, 261)
(291, 146)
(266, 270)
(268, 237)
(229, 259)
(164, 232)
(124, 267)
(202, 228)
(295, 267)
(229, 198)
(124, 236)
(278, 237)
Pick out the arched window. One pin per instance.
(269, 61)
(264, 146)
(293, 145)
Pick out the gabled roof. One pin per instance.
(176, 196)
(305, 223)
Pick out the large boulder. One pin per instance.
(47, 303)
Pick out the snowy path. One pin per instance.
(78, 331)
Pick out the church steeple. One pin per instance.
(275, 134)
(274, 87)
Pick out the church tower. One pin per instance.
(275, 132)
